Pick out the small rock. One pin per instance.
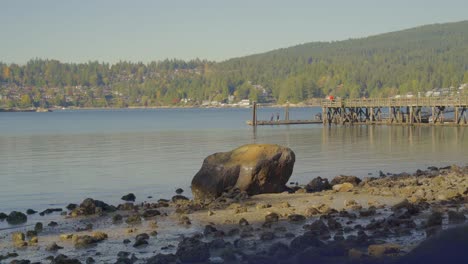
(18, 239)
(262, 206)
(179, 198)
(383, 249)
(240, 210)
(31, 233)
(271, 217)
(99, 236)
(62, 259)
(317, 185)
(162, 259)
(193, 250)
(184, 220)
(346, 179)
(126, 241)
(3, 216)
(343, 187)
(140, 242)
(267, 236)
(52, 224)
(50, 210)
(133, 220)
(65, 237)
(129, 197)
(179, 191)
(71, 206)
(53, 247)
(117, 218)
(16, 218)
(296, 218)
(150, 213)
(38, 227)
(30, 211)
(311, 211)
(243, 222)
(209, 229)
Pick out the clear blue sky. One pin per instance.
(113, 30)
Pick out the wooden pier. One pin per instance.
(383, 111)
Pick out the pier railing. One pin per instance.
(461, 101)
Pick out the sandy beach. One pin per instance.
(398, 211)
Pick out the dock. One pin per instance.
(383, 111)
(284, 122)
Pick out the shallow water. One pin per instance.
(52, 159)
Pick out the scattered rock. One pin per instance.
(52, 224)
(296, 218)
(140, 242)
(18, 239)
(179, 198)
(133, 219)
(126, 207)
(38, 227)
(71, 206)
(50, 210)
(317, 185)
(383, 249)
(311, 211)
(192, 250)
(184, 220)
(262, 206)
(162, 259)
(3, 216)
(271, 217)
(117, 218)
(16, 218)
(30, 212)
(89, 207)
(150, 213)
(346, 179)
(87, 241)
(243, 222)
(302, 242)
(179, 191)
(129, 197)
(267, 236)
(53, 247)
(343, 187)
(31, 233)
(254, 168)
(62, 259)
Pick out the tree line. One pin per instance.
(414, 60)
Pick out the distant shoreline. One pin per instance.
(15, 110)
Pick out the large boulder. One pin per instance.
(254, 168)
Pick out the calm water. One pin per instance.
(65, 156)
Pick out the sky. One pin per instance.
(145, 30)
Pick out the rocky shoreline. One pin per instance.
(385, 219)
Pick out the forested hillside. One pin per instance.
(414, 60)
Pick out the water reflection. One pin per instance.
(153, 158)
